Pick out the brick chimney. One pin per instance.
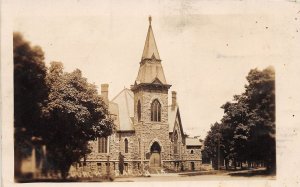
(104, 93)
(173, 100)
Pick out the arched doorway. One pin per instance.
(155, 155)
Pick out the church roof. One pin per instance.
(151, 71)
(172, 117)
(150, 48)
(122, 105)
(173, 114)
(193, 142)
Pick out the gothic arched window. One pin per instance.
(139, 110)
(126, 145)
(102, 145)
(175, 142)
(155, 111)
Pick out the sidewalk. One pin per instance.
(237, 173)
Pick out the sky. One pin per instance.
(207, 47)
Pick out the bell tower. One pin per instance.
(151, 100)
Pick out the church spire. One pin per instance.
(151, 71)
(150, 48)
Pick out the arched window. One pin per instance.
(139, 110)
(126, 145)
(102, 145)
(192, 151)
(175, 142)
(155, 111)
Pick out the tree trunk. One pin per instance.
(234, 163)
(64, 170)
(18, 163)
(226, 164)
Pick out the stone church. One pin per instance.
(149, 133)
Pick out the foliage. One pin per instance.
(247, 128)
(74, 115)
(58, 109)
(213, 142)
(260, 96)
(30, 91)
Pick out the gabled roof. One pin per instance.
(124, 108)
(149, 72)
(193, 142)
(172, 115)
(150, 48)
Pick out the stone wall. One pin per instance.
(149, 131)
(140, 141)
(112, 152)
(146, 97)
(132, 145)
(196, 155)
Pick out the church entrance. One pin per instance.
(155, 155)
(192, 166)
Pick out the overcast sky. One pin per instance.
(207, 47)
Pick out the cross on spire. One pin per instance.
(150, 19)
(151, 71)
(150, 48)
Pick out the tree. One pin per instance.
(235, 130)
(213, 146)
(30, 92)
(74, 114)
(260, 97)
(248, 125)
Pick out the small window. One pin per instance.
(192, 151)
(102, 145)
(139, 111)
(126, 145)
(175, 143)
(155, 111)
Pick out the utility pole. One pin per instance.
(108, 167)
(218, 152)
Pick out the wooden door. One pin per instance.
(155, 160)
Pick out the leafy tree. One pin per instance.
(260, 97)
(235, 130)
(213, 144)
(30, 91)
(248, 125)
(74, 114)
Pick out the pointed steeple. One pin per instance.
(151, 71)
(150, 48)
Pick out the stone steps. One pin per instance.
(156, 170)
